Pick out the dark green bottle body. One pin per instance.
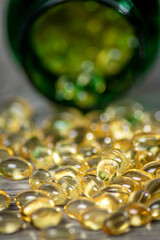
(84, 53)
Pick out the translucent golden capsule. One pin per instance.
(71, 186)
(139, 196)
(91, 185)
(5, 200)
(69, 171)
(94, 160)
(151, 167)
(120, 129)
(29, 208)
(10, 222)
(43, 158)
(138, 175)
(55, 192)
(58, 233)
(154, 206)
(157, 173)
(87, 151)
(117, 223)
(93, 218)
(75, 208)
(39, 177)
(142, 158)
(130, 184)
(125, 145)
(46, 217)
(27, 148)
(28, 196)
(120, 192)
(15, 168)
(113, 162)
(146, 141)
(5, 152)
(152, 186)
(14, 141)
(91, 171)
(107, 201)
(138, 214)
(77, 163)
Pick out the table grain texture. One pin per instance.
(14, 83)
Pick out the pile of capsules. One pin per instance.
(103, 167)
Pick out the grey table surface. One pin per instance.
(13, 82)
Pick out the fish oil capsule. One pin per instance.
(5, 152)
(28, 196)
(151, 167)
(10, 222)
(15, 168)
(5, 200)
(46, 217)
(152, 186)
(43, 158)
(78, 206)
(71, 186)
(93, 218)
(58, 233)
(91, 171)
(120, 129)
(139, 196)
(138, 175)
(87, 151)
(14, 141)
(117, 223)
(91, 185)
(142, 158)
(94, 160)
(39, 177)
(107, 201)
(28, 209)
(125, 145)
(146, 141)
(55, 192)
(120, 192)
(130, 184)
(138, 214)
(154, 206)
(27, 148)
(113, 161)
(77, 163)
(157, 173)
(67, 171)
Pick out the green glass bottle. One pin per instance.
(84, 53)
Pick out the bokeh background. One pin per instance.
(13, 81)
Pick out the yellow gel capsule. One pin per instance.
(139, 215)
(5, 152)
(67, 171)
(91, 185)
(91, 171)
(58, 233)
(87, 151)
(71, 186)
(55, 192)
(117, 223)
(138, 175)
(113, 161)
(94, 160)
(146, 141)
(10, 222)
(152, 186)
(120, 129)
(151, 167)
(43, 158)
(5, 200)
(107, 201)
(154, 206)
(120, 192)
(75, 208)
(93, 218)
(157, 173)
(139, 196)
(27, 148)
(39, 177)
(46, 217)
(130, 184)
(28, 196)
(75, 162)
(15, 168)
(125, 145)
(142, 158)
(28, 209)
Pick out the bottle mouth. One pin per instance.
(80, 52)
